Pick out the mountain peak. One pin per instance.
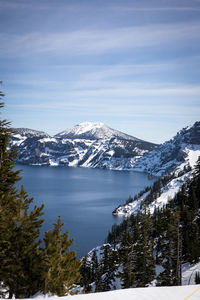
(91, 124)
(189, 134)
(93, 131)
(87, 126)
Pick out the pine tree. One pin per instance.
(197, 277)
(19, 227)
(8, 177)
(129, 267)
(61, 266)
(96, 272)
(145, 263)
(108, 267)
(86, 274)
(19, 269)
(196, 172)
(171, 248)
(190, 223)
(95, 265)
(26, 268)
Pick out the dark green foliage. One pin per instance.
(197, 278)
(86, 272)
(172, 233)
(25, 268)
(61, 266)
(109, 266)
(145, 264)
(130, 199)
(170, 248)
(155, 189)
(129, 266)
(19, 247)
(19, 227)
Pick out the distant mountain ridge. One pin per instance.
(88, 144)
(96, 145)
(182, 149)
(30, 132)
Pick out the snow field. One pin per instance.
(152, 293)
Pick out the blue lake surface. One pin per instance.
(85, 199)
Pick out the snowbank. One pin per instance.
(153, 293)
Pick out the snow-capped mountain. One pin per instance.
(88, 145)
(93, 131)
(176, 157)
(98, 146)
(182, 150)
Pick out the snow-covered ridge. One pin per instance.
(182, 174)
(94, 131)
(29, 132)
(178, 157)
(114, 151)
(111, 150)
(173, 153)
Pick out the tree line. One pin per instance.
(164, 239)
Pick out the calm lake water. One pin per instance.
(85, 199)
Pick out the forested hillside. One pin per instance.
(149, 249)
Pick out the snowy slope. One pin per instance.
(152, 293)
(109, 152)
(188, 270)
(184, 148)
(95, 145)
(93, 131)
(167, 192)
(178, 157)
(30, 132)
(188, 273)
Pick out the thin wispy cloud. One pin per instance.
(127, 92)
(111, 61)
(134, 110)
(93, 42)
(42, 5)
(131, 9)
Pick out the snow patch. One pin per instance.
(150, 293)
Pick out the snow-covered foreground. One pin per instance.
(152, 293)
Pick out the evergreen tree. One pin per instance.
(196, 173)
(61, 266)
(8, 177)
(171, 248)
(19, 227)
(25, 268)
(86, 274)
(20, 258)
(108, 267)
(197, 278)
(95, 266)
(96, 272)
(145, 263)
(129, 267)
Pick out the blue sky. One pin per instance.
(134, 65)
